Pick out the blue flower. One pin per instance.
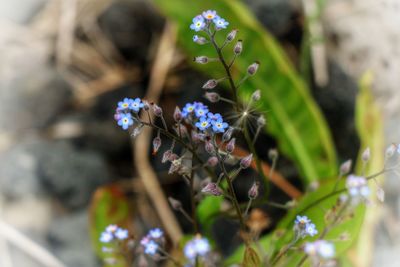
(200, 110)
(219, 125)
(220, 23)
(196, 247)
(320, 249)
(210, 14)
(195, 38)
(198, 23)
(136, 105)
(188, 109)
(125, 120)
(121, 234)
(106, 237)
(156, 233)
(302, 220)
(310, 229)
(213, 116)
(203, 124)
(150, 247)
(125, 104)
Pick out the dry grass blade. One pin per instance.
(161, 65)
(28, 246)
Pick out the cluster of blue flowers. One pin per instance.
(304, 227)
(206, 119)
(151, 242)
(200, 22)
(320, 249)
(197, 247)
(113, 232)
(123, 114)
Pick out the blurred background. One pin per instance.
(64, 65)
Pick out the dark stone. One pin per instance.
(32, 99)
(69, 239)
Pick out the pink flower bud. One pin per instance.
(212, 161)
(252, 69)
(197, 137)
(230, 147)
(237, 49)
(228, 134)
(175, 204)
(345, 168)
(256, 95)
(157, 110)
(201, 60)
(177, 114)
(231, 35)
(246, 161)
(210, 84)
(212, 189)
(209, 147)
(146, 105)
(212, 97)
(156, 144)
(253, 192)
(261, 121)
(366, 155)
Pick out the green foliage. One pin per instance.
(207, 210)
(293, 118)
(108, 206)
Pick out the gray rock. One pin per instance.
(70, 242)
(71, 175)
(32, 93)
(55, 168)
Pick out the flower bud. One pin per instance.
(345, 168)
(197, 137)
(246, 161)
(261, 121)
(366, 155)
(227, 134)
(256, 95)
(157, 110)
(212, 161)
(273, 154)
(201, 60)
(175, 204)
(212, 97)
(137, 130)
(156, 144)
(252, 69)
(230, 147)
(210, 84)
(181, 129)
(176, 165)
(209, 147)
(231, 35)
(390, 151)
(199, 40)
(237, 49)
(146, 105)
(169, 156)
(177, 114)
(212, 189)
(253, 192)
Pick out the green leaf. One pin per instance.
(250, 258)
(293, 118)
(108, 206)
(207, 210)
